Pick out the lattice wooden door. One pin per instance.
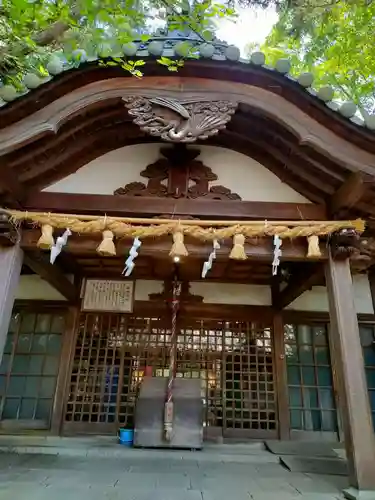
(113, 352)
(235, 361)
(249, 397)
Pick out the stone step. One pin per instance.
(100, 446)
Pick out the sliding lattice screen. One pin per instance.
(234, 361)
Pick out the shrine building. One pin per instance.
(235, 179)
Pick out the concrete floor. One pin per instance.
(222, 472)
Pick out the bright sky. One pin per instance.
(252, 26)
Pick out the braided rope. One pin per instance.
(172, 351)
(202, 230)
(168, 415)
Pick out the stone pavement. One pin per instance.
(219, 473)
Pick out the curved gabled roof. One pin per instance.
(219, 53)
(54, 129)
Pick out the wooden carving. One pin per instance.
(156, 173)
(181, 121)
(178, 175)
(166, 294)
(345, 243)
(221, 193)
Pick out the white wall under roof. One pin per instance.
(32, 287)
(317, 298)
(241, 174)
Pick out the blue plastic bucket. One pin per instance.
(126, 437)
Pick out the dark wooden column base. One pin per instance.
(355, 494)
(346, 352)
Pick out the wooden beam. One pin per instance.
(350, 193)
(144, 206)
(37, 262)
(371, 280)
(275, 289)
(281, 376)
(347, 360)
(68, 265)
(298, 285)
(262, 250)
(9, 183)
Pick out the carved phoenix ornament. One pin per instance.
(179, 120)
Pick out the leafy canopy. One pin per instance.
(335, 42)
(30, 30)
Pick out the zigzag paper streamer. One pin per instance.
(61, 241)
(277, 252)
(208, 264)
(129, 263)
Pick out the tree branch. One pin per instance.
(181, 18)
(53, 33)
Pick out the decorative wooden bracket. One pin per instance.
(344, 244)
(178, 174)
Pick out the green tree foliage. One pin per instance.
(333, 41)
(31, 30)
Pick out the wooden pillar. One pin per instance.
(11, 259)
(352, 387)
(281, 377)
(63, 378)
(371, 279)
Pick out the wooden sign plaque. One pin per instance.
(108, 296)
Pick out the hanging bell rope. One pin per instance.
(46, 241)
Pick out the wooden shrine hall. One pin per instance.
(251, 190)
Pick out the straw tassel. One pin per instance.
(313, 246)
(238, 250)
(46, 241)
(107, 247)
(178, 248)
(359, 225)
